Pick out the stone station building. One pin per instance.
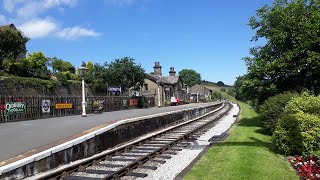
(169, 86)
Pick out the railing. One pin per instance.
(17, 108)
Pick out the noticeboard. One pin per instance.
(15, 108)
(133, 102)
(64, 106)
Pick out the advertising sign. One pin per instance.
(15, 108)
(45, 106)
(64, 106)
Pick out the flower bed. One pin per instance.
(307, 167)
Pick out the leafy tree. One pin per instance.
(125, 73)
(12, 44)
(36, 65)
(190, 77)
(220, 83)
(61, 65)
(99, 78)
(290, 58)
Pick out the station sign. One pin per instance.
(16, 108)
(64, 106)
(114, 89)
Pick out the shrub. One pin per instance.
(216, 95)
(272, 108)
(298, 129)
(231, 92)
(62, 78)
(167, 102)
(142, 102)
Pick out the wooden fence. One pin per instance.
(17, 108)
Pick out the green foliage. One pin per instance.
(62, 77)
(61, 65)
(190, 77)
(272, 108)
(95, 105)
(12, 44)
(125, 73)
(167, 102)
(298, 129)
(223, 90)
(216, 95)
(290, 58)
(35, 82)
(36, 65)
(231, 92)
(142, 102)
(220, 83)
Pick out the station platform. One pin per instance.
(19, 140)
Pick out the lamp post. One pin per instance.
(197, 95)
(159, 103)
(82, 71)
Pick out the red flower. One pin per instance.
(307, 168)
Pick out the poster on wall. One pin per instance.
(45, 106)
(15, 108)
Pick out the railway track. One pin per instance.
(142, 154)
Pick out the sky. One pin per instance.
(208, 36)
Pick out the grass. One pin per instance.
(245, 154)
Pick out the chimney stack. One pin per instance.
(172, 72)
(157, 69)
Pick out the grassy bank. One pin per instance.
(245, 154)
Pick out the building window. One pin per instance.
(145, 87)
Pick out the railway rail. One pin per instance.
(155, 149)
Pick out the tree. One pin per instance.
(125, 73)
(190, 77)
(36, 65)
(59, 65)
(290, 59)
(12, 44)
(220, 83)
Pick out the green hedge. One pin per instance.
(298, 129)
(272, 108)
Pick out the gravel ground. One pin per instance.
(179, 162)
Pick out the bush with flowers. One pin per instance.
(307, 167)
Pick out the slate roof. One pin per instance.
(154, 78)
(172, 79)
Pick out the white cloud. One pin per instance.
(38, 28)
(76, 32)
(32, 8)
(120, 3)
(26, 14)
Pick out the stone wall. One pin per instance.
(23, 87)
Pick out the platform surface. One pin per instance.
(17, 138)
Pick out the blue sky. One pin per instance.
(208, 36)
